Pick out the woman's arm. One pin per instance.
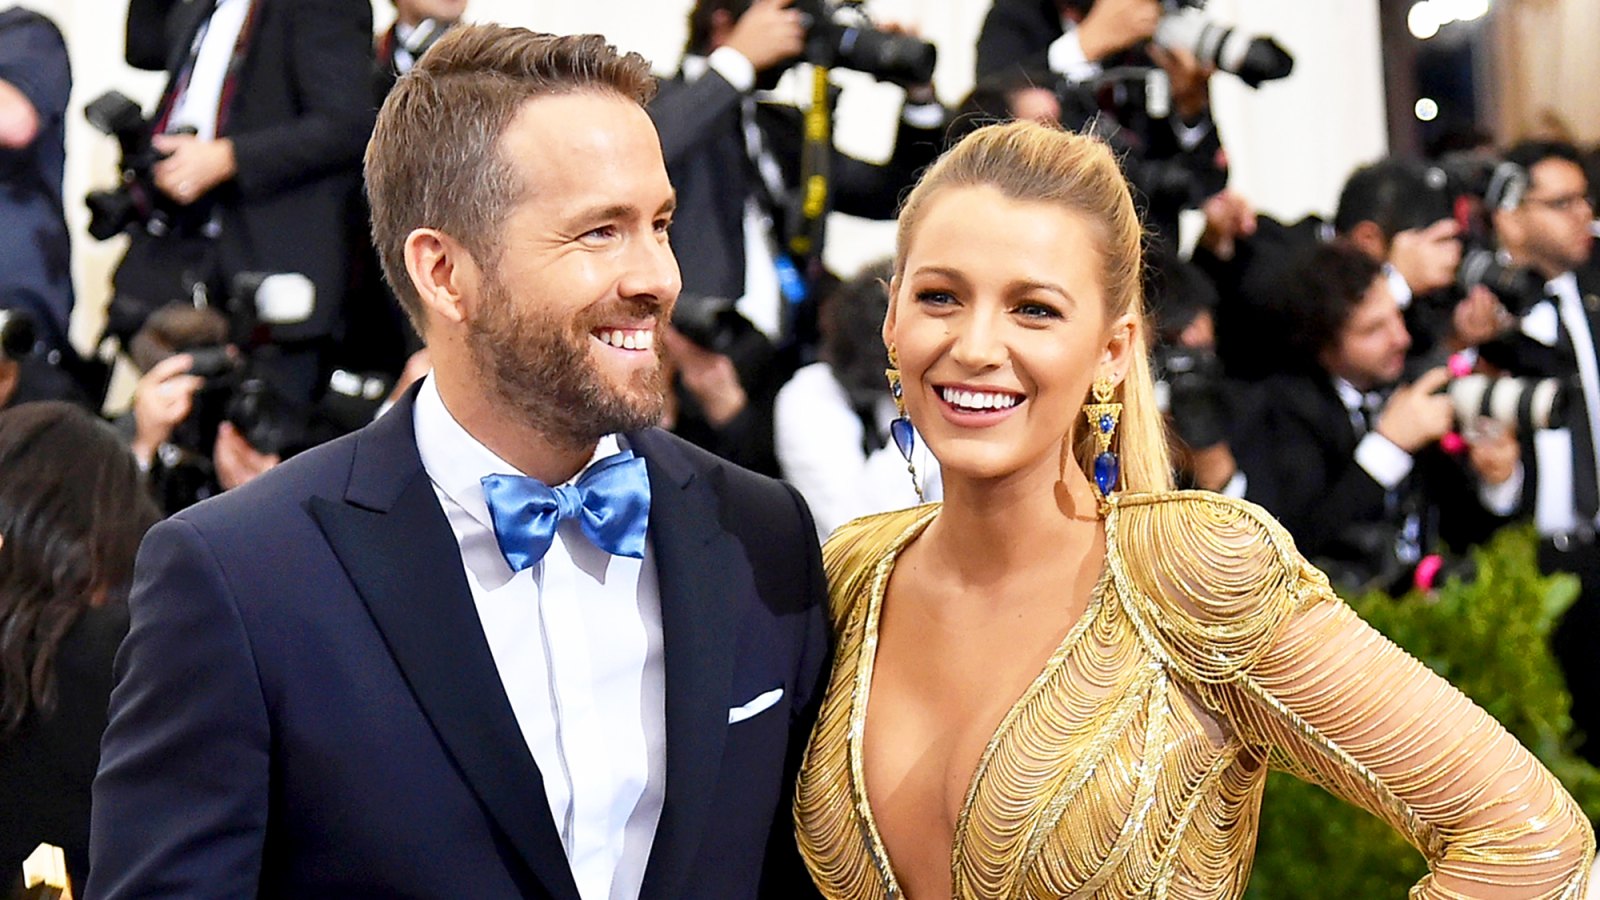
(1261, 638)
(1343, 707)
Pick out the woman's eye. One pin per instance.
(935, 298)
(1037, 311)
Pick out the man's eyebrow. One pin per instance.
(604, 213)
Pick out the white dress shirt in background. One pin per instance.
(197, 106)
(818, 439)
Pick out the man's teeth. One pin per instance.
(627, 339)
(978, 399)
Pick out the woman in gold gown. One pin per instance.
(1044, 688)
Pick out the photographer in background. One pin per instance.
(1203, 409)
(35, 255)
(724, 375)
(37, 363)
(417, 24)
(832, 418)
(377, 336)
(1150, 101)
(1540, 209)
(736, 162)
(1347, 458)
(177, 423)
(1397, 212)
(261, 128)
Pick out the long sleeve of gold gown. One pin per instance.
(1274, 652)
(1134, 764)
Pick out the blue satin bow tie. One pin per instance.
(611, 502)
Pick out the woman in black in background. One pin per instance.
(73, 509)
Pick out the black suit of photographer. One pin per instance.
(1014, 48)
(1299, 453)
(1579, 551)
(1016, 36)
(299, 112)
(702, 136)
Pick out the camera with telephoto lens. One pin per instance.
(840, 34)
(1517, 288)
(238, 390)
(1253, 59)
(1522, 405)
(135, 201)
(17, 334)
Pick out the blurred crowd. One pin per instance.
(1394, 383)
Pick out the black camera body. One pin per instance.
(1190, 388)
(135, 201)
(18, 336)
(1517, 288)
(841, 35)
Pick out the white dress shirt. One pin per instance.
(199, 102)
(1555, 506)
(818, 438)
(577, 641)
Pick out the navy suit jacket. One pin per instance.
(306, 704)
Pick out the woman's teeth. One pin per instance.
(978, 400)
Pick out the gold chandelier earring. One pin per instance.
(900, 428)
(1103, 415)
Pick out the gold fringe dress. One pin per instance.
(1133, 765)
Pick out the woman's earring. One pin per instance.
(900, 429)
(1103, 415)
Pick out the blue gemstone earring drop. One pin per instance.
(1103, 415)
(900, 428)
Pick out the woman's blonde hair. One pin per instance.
(1036, 163)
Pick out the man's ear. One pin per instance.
(1368, 238)
(445, 275)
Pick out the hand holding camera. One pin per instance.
(1492, 450)
(162, 399)
(191, 168)
(236, 460)
(769, 33)
(710, 376)
(1417, 414)
(1112, 26)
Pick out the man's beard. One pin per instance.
(537, 367)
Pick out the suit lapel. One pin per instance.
(398, 548)
(699, 567)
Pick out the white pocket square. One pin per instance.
(760, 704)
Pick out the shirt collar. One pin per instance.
(1564, 287)
(694, 67)
(1355, 399)
(456, 461)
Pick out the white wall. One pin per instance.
(1291, 143)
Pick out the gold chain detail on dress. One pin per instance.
(1134, 763)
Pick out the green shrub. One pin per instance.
(1490, 637)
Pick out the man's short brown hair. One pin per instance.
(434, 159)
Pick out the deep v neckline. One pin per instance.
(862, 687)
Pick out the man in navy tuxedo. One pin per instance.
(510, 640)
